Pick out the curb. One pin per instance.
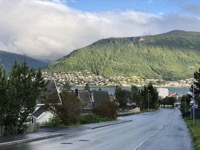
(30, 140)
(110, 124)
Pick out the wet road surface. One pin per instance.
(160, 130)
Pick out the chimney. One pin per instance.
(92, 97)
(76, 92)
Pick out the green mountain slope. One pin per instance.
(164, 56)
(7, 60)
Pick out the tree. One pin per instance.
(136, 95)
(153, 97)
(150, 95)
(4, 97)
(66, 86)
(196, 86)
(122, 97)
(185, 103)
(106, 109)
(87, 87)
(24, 85)
(69, 110)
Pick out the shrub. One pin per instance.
(106, 109)
(92, 118)
(53, 121)
(70, 109)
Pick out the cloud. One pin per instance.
(192, 8)
(49, 29)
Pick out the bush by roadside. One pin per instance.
(92, 118)
(195, 131)
(83, 119)
(106, 109)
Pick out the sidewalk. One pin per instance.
(51, 132)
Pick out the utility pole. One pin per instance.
(193, 114)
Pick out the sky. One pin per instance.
(51, 29)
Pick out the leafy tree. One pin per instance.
(122, 96)
(106, 109)
(185, 103)
(167, 101)
(69, 110)
(150, 94)
(136, 95)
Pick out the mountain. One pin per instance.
(7, 60)
(165, 56)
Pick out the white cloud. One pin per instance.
(50, 29)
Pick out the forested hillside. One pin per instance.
(7, 60)
(164, 56)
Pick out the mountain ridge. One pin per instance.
(7, 59)
(162, 56)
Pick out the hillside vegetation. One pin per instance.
(164, 56)
(7, 60)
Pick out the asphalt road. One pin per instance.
(160, 130)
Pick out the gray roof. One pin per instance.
(39, 111)
(97, 97)
(85, 98)
(51, 88)
(100, 96)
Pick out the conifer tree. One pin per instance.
(24, 87)
(196, 86)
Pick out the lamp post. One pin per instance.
(193, 114)
(148, 100)
(185, 103)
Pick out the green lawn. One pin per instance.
(195, 131)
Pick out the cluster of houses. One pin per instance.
(76, 78)
(90, 99)
(81, 78)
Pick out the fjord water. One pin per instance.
(111, 90)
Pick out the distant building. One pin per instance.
(163, 92)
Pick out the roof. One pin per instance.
(50, 89)
(88, 97)
(100, 96)
(85, 98)
(39, 111)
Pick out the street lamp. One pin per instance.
(193, 114)
(185, 103)
(148, 99)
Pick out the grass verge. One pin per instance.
(195, 131)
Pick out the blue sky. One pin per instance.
(50, 29)
(147, 6)
(122, 5)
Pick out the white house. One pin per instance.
(40, 114)
(163, 92)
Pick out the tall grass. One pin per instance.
(195, 131)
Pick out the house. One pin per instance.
(163, 92)
(91, 99)
(40, 114)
